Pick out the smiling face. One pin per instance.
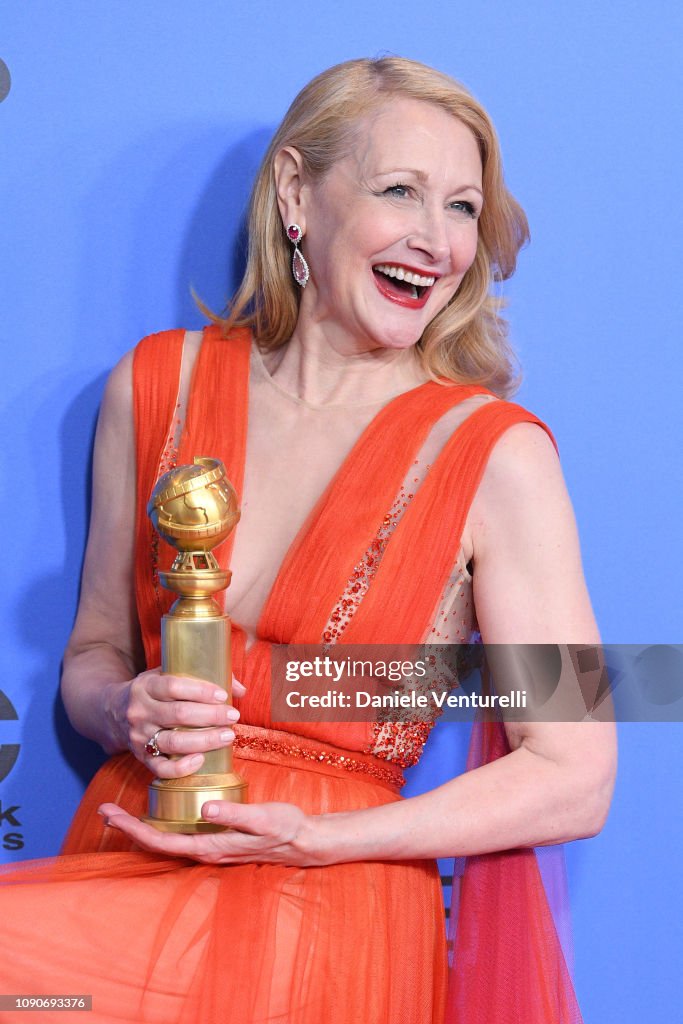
(391, 230)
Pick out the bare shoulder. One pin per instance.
(529, 583)
(524, 451)
(115, 428)
(118, 392)
(523, 475)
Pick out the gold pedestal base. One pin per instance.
(175, 805)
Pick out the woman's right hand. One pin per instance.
(187, 716)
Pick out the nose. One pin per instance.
(430, 236)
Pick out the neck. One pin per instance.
(319, 373)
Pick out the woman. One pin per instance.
(355, 397)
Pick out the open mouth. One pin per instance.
(402, 285)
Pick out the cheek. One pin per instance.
(464, 250)
(331, 247)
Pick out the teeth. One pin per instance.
(405, 275)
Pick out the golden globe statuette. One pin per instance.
(194, 508)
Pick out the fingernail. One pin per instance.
(227, 735)
(210, 810)
(220, 696)
(232, 714)
(196, 760)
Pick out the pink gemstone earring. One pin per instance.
(299, 264)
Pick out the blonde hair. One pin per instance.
(466, 341)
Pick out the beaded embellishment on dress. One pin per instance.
(402, 742)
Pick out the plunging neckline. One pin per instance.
(343, 523)
(409, 414)
(296, 548)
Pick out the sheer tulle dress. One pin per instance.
(378, 560)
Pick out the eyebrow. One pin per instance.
(422, 178)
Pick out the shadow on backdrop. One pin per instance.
(211, 260)
(214, 252)
(45, 612)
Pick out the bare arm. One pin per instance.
(105, 650)
(107, 694)
(556, 783)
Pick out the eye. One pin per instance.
(464, 207)
(397, 191)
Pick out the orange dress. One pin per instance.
(158, 939)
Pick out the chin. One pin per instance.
(392, 344)
(401, 340)
(401, 336)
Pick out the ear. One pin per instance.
(290, 187)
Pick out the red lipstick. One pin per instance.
(401, 298)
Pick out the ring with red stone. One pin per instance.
(152, 747)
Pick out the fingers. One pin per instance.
(235, 846)
(181, 750)
(178, 742)
(180, 768)
(274, 823)
(246, 818)
(198, 847)
(185, 716)
(163, 686)
(181, 701)
(145, 835)
(256, 833)
(238, 688)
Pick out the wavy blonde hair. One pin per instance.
(467, 341)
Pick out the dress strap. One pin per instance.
(218, 410)
(216, 426)
(420, 551)
(156, 377)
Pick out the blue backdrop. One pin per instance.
(127, 141)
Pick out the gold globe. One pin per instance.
(194, 507)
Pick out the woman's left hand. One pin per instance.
(272, 833)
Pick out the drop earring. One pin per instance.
(299, 265)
